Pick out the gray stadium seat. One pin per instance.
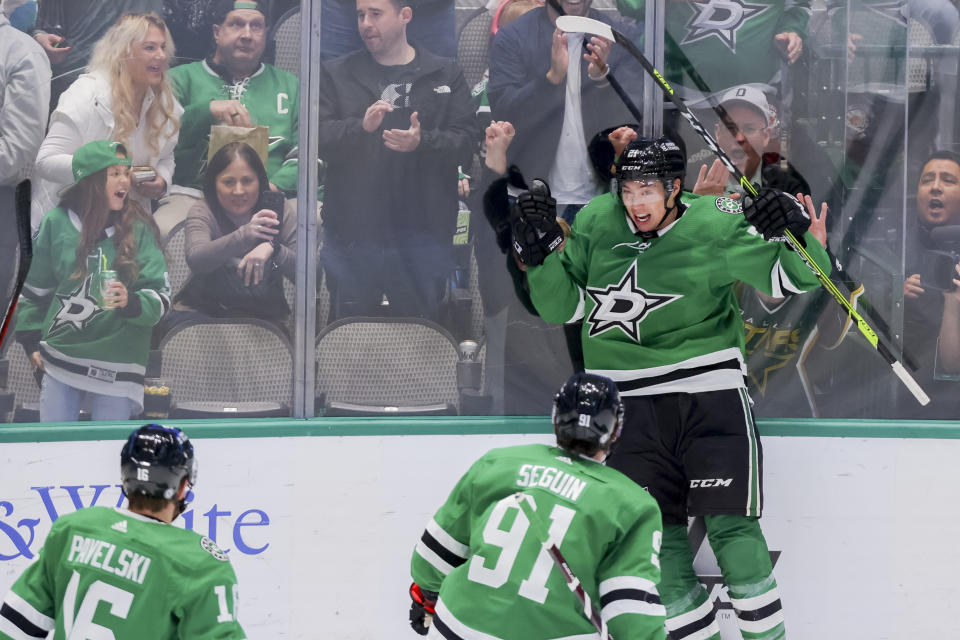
(919, 67)
(22, 384)
(386, 366)
(175, 251)
(234, 367)
(286, 38)
(880, 62)
(473, 44)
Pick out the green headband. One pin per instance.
(247, 5)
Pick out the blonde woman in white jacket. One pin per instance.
(124, 96)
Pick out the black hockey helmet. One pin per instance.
(587, 413)
(155, 460)
(643, 159)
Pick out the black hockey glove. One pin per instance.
(496, 208)
(774, 211)
(533, 218)
(422, 608)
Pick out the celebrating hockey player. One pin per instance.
(480, 570)
(653, 278)
(127, 573)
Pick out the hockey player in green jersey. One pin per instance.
(484, 556)
(97, 285)
(129, 573)
(653, 278)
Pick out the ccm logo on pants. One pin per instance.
(711, 482)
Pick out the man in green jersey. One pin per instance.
(653, 278)
(232, 87)
(480, 571)
(128, 573)
(727, 43)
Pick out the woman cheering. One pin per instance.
(96, 287)
(125, 96)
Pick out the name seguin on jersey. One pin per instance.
(559, 482)
(97, 553)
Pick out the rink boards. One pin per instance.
(320, 519)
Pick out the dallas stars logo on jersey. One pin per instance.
(623, 305)
(729, 205)
(720, 18)
(79, 307)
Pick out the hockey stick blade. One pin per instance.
(573, 583)
(582, 24)
(22, 211)
(611, 78)
(579, 24)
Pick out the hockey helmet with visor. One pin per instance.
(587, 414)
(643, 160)
(155, 460)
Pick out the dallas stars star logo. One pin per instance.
(76, 307)
(623, 305)
(720, 18)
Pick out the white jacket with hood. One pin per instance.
(84, 115)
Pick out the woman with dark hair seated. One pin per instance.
(239, 245)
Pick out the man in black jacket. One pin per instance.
(555, 88)
(395, 123)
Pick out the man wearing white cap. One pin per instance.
(747, 106)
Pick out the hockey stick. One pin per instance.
(614, 83)
(588, 25)
(589, 608)
(22, 211)
(839, 273)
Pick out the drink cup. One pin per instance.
(107, 277)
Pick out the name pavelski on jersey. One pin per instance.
(624, 305)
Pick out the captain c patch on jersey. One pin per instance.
(623, 305)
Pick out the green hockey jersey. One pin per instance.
(82, 345)
(727, 43)
(111, 573)
(271, 95)
(660, 315)
(496, 581)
